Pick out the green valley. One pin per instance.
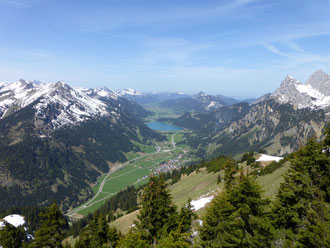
(161, 157)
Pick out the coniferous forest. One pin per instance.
(239, 216)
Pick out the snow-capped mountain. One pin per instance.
(100, 92)
(56, 140)
(279, 122)
(209, 102)
(55, 104)
(315, 93)
(130, 92)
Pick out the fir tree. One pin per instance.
(157, 212)
(230, 170)
(133, 240)
(11, 236)
(303, 196)
(50, 233)
(113, 236)
(186, 216)
(99, 232)
(307, 178)
(175, 239)
(237, 218)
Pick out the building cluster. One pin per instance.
(170, 165)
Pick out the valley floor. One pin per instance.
(163, 157)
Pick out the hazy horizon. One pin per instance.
(236, 48)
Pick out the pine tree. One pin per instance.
(303, 196)
(50, 233)
(237, 218)
(315, 228)
(113, 236)
(186, 216)
(175, 239)
(230, 170)
(98, 232)
(133, 240)
(11, 236)
(219, 179)
(307, 178)
(157, 214)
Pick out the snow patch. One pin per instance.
(212, 104)
(201, 202)
(13, 219)
(265, 158)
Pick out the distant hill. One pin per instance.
(200, 102)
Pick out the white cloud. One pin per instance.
(275, 50)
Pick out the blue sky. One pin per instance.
(238, 48)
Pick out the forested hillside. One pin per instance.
(56, 151)
(239, 216)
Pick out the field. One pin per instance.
(271, 183)
(160, 112)
(134, 172)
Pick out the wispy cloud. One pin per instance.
(14, 3)
(275, 50)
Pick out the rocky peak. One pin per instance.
(315, 93)
(320, 81)
(288, 85)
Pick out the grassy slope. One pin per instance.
(199, 184)
(271, 183)
(193, 186)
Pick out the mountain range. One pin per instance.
(56, 140)
(279, 122)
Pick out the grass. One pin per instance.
(160, 112)
(145, 148)
(199, 184)
(135, 172)
(178, 137)
(124, 223)
(194, 186)
(271, 183)
(131, 174)
(131, 155)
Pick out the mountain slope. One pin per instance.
(198, 103)
(149, 98)
(56, 140)
(313, 94)
(212, 121)
(278, 122)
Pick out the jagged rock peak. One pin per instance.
(320, 81)
(288, 86)
(314, 94)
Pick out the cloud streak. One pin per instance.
(13, 3)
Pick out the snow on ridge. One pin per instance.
(73, 105)
(303, 95)
(212, 104)
(76, 105)
(13, 219)
(201, 202)
(266, 158)
(131, 92)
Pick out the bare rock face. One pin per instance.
(315, 93)
(320, 81)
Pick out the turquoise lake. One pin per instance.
(161, 126)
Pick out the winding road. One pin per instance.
(91, 202)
